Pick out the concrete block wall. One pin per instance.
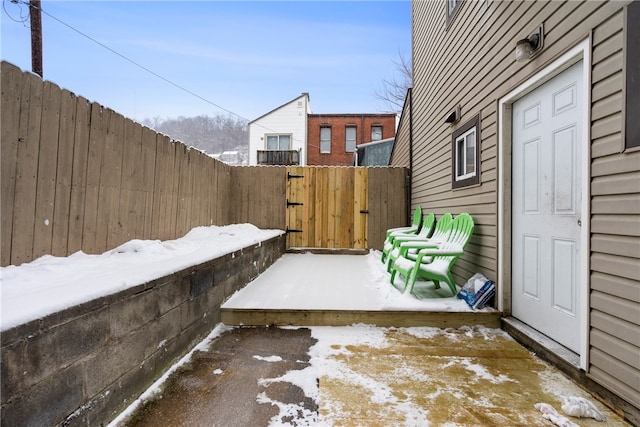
(84, 365)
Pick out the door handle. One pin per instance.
(579, 223)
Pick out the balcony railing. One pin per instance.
(278, 157)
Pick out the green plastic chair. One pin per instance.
(395, 239)
(412, 229)
(440, 234)
(442, 255)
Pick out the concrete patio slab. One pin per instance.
(363, 376)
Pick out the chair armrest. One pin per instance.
(443, 251)
(395, 232)
(421, 244)
(410, 238)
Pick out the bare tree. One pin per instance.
(393, 91)
(212, 134)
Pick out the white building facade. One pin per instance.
(281, 131)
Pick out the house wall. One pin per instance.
(288, 118)
(339, 156)
(470, 62)
(400, 155)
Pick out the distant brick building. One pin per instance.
(332, 138)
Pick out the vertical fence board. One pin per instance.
(359, 205)
(235, 194)
(12, 97)
(97, 136)
(79, 175)
(348, 215)
(241, 188)
(213, 180)
(182, 198)
(197, 169)
(321, 195)
(309, 209)
(169, 206)
(170, 231)
(188, 194)
(220, 198)
(148, 165)
(204, 167)
(111, 182)
(26, 170)
(47, 166)
(289, 219)
(298, 196)
(64, 171)
(331, 207)
(338, 213)
(131, 206)
(376, 204)
(160, 187)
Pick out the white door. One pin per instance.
(546, 200)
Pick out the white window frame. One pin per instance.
(278, 135)
(463, 153)
(347, 147)
(381, 132)
(325, 150)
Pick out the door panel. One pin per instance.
(546, 200)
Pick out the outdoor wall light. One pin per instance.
(527, 48)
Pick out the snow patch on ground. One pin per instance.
(268, 358)
(302, 416)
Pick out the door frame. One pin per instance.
(582, 51)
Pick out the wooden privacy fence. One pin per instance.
(78, 176)
(343, 207)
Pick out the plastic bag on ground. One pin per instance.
(580, 407)
(549, 413)
(478, 291)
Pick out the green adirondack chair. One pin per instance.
(395, 239)
(441, 233)
(412, 229)
(442, 256)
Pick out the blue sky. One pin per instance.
(245, 56)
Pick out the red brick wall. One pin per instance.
(338, 123)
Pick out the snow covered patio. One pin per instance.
(307, 289)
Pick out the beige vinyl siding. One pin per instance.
(614, 335)
(471, 63)
(400, 154)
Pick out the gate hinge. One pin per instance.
(293, 203)
(291, 230)
(291, 176)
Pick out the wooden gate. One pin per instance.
(327, 207)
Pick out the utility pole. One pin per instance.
(36, 36)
